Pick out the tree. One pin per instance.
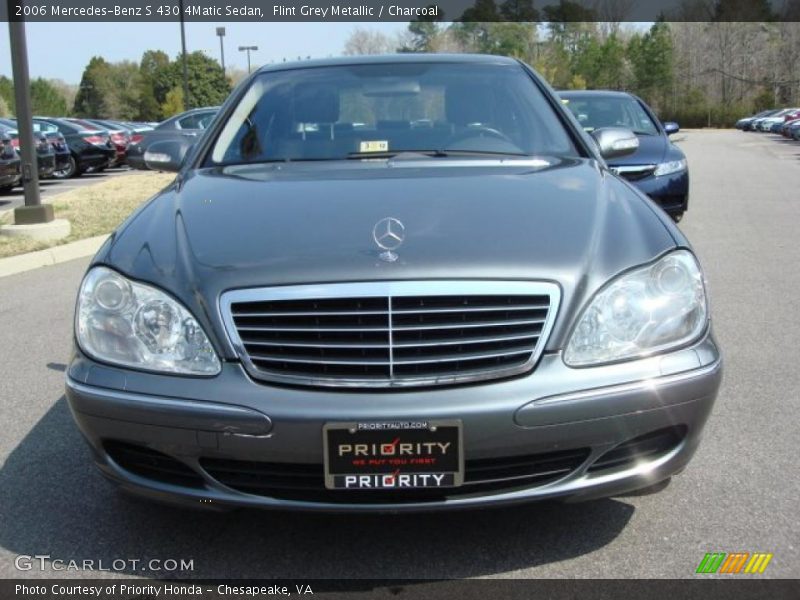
(4, 109)
(363, 42)
(569, 22)
(423, 32)
(153, 84)
(7, 92)
(125, 78)
(519, 11)
(46, 99)
(208, 85)
(173, 104)
(651, 59)
(94, 90)
(67, 90)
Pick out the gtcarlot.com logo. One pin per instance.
(43, 562)
(734, 563)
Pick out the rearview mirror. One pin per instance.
(166, 155)
(614, 142)
(671, 127)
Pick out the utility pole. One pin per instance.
(248, 49)
(34, 219)
(183, 57)
(33, 211)
(221, 34)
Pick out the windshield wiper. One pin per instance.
(432, 153)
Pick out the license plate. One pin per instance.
(393, 455)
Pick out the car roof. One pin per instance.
(387, 59)
(595, 93)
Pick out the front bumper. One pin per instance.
(553, 409)
(47, 165)
(10, 172)
(62, 160)
(95, 157)
(670, 192)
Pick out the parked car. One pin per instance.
(119, 139)
(59, 145)
(790, 118)
(89, 148)
(658, 167)
(794, 130)
(10, 173)
(393, 318)
(45, 156)
(188, 125)
(765, 125)
(120, 136)
(746, 123)
(755, 125)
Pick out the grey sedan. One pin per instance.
(393, 283)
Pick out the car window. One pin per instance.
(595, 112)
(39, 126)
(198, 120)
(333, 113)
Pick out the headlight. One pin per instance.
(668, 168)
(642, 312)
(127, 323)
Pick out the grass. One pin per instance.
(92, 210)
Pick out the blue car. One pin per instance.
(658, 168)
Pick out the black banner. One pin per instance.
(144, 589)
(399, 10)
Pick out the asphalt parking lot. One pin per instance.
(740, 494)
(48, 188)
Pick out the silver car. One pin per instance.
(388, 284)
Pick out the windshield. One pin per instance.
(594, 112)
(369, 111)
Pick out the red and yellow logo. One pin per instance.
(734, 563)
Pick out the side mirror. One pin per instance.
(614, 142)
(671, 127)
(166, 155)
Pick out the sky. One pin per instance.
(62, 50)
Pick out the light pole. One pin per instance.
(34, 211)
(221, 34)
(34, 219)
(248, 49)
(183, 58)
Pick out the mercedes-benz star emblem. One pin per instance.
(389, 234)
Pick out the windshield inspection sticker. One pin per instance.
(374, 146)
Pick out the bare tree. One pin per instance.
(363, 41)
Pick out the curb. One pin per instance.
(50, 256)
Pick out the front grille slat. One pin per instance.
(384, 334)
(467, 356)
(467, 325)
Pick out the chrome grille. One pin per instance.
(390, 333)
(634, 172)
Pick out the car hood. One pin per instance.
(652, 150)
(572, 222)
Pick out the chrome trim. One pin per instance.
(633, 386)
(390, 289)
(622, 169)
(181, 413)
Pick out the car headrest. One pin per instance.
(469, 103)
(604, 117)
(316, 103)
(392, 124)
